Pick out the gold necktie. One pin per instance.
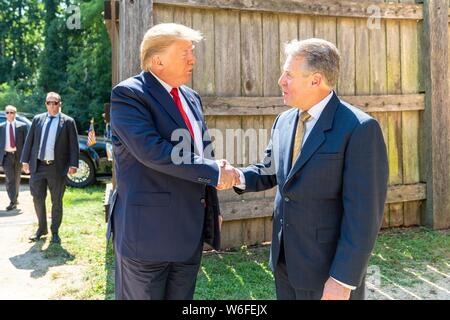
(304, 116)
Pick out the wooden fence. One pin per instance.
(394, 66)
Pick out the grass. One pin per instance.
(242, 273)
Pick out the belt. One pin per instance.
(46, 162)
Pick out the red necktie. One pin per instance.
(12, 141)
(176, 98)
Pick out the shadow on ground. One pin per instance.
(11, 213)
(39, 260)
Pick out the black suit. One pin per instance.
(11, 160)
(53, 175)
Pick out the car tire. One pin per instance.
(85, 175)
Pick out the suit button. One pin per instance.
(287, 199)
(281, 221)
(202, 200)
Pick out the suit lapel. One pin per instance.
(40, 126)
(60, 126)
(164, 98)
(317, 136)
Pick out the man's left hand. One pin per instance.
(335, 291)
(72, 170)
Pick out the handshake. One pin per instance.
(229, 175)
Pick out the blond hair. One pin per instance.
(10, 108)
(159, 37)
(319, 56)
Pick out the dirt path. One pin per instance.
(26, 269)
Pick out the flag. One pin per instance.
(91, 134)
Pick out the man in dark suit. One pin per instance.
(12, 138)
(164, 206)
(329, 163)
(50, 152)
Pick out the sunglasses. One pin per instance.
(9, 112)
(52, 103)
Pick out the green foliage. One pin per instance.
(40, 53)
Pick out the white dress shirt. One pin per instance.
(8, 147)
(196, 125)
(51, 139)
(315, 113)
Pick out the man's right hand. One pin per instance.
(26, 167)
(229, 176)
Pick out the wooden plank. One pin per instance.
(251, 48)
(136, 18)
(396, 216)
(183, 16)
(271, 52)
(268, 227)
(253, 231)
(231, 234)
(412, 215)
(227, 54)
(202, 80)
(162, 14)
(437, 114)
(346, 46)
(305, 27)
(342, 8)
(246, 209)
(386, 218)
(288, 25)
(325, 28)
(410, 119)
(256, 208)
(362, 66)
(274, 105)
(394, 118)
(406, 193)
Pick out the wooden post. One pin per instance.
(136, 17)
(436, 116)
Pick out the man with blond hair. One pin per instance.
(165, 204)
(328, 161)
(12, 139)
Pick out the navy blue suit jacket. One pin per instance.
(158, 206)
(329, 205)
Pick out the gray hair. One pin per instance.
(319, 56)
(159, 37)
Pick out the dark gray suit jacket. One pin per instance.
(66, 144)
(20, 134)
(329, 206)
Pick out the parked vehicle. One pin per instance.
(93, 162)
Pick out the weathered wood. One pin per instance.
(274, 105)
(252, 48)
(437, 115)
(406, 193)
(202, 79)
(288, 25)
(183, 16)
(394, 118)
(136, 18)
(227, 54)
(271, 59)
(342, 8)
(346, 46)
(256, 208)
(362, 67)
(305, 27)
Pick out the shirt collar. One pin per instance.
(316, 110)
(56, 116)
(166, 86)
(12, 122)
